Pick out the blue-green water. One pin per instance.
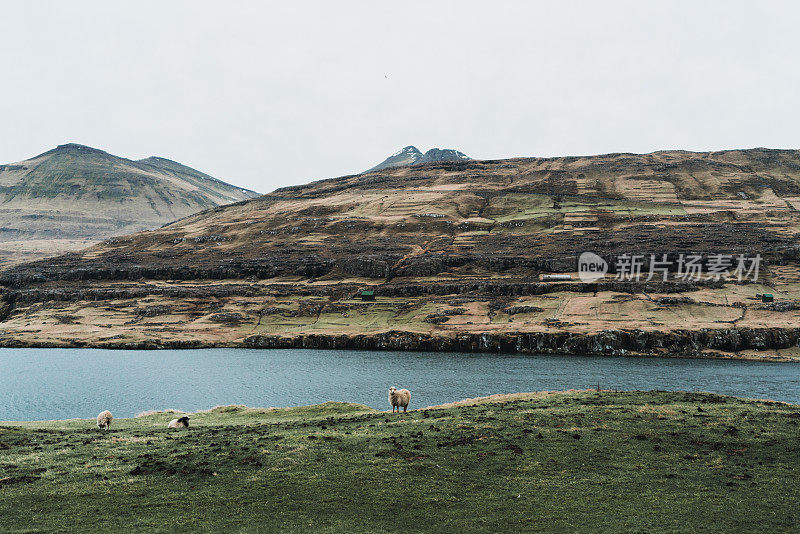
(66, 383)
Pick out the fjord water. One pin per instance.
(38, 384)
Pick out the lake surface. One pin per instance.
(67, 383)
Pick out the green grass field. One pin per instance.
(562, 462)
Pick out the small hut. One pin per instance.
(367, 295)
(767, 297)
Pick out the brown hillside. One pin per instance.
(451, 248)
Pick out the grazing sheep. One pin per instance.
(104, 420)
(398, 398)
(181, 422)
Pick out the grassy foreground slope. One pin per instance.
(574, 461)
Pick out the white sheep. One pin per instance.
(398, 398)
(104, 420)
(180, 422)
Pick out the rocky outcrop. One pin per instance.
(785, 306)
(520, 288)
(700, 343)
(39, 272)
(442, 154)
(473, 290)
(68, 293)
(682, 343)
(608, 342)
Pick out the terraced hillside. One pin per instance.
(74, 196)
(454, 252)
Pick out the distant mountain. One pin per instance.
(411, 155)
(75, 195)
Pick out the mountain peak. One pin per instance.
(410, 149)
(76, 147)
(411, 155)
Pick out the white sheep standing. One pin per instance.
(180, 422)
(104, 420)
(398, 398)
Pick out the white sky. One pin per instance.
(265, 94)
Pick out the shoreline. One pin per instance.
(494, 398)
(726, 344)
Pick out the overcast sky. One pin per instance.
(266, 94)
